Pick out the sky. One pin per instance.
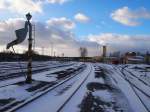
(67, 25)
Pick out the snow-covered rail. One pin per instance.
(54, 100)
(134, 75)
(128, 76)
(42, 93)
(12, 73)
(67, 100)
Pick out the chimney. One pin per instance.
(104, 51)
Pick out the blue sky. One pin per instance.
(98, 11)
(98, 18)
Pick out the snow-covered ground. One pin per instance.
(76, 88)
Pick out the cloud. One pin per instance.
(123, 43)
(81, 18)
(55, 30)
(128, 17)
(7, 29)
(57, 1)
(61, 22)
(11, 24)
(64, 40)
(21, 6)
(24, 6)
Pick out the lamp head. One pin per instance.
(28, 16)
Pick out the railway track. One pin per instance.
(67, 100)
(20, 105)
(136, 76)
(13, 67)
(135, 88)
(6, 66)
(15, 74)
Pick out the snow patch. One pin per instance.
(104, 95)
(13, 91)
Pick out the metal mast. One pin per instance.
(29, 73)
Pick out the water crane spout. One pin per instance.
(20, 34)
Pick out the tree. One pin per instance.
(83, 52)
(33, 53)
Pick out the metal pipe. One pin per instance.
(29, 73)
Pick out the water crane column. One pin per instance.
(29, 73)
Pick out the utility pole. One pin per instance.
(51, 49)
(54, 53)
(29, 73)
(62, 54)
(33, 37)
(42, 48)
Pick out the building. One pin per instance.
(132, 58)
